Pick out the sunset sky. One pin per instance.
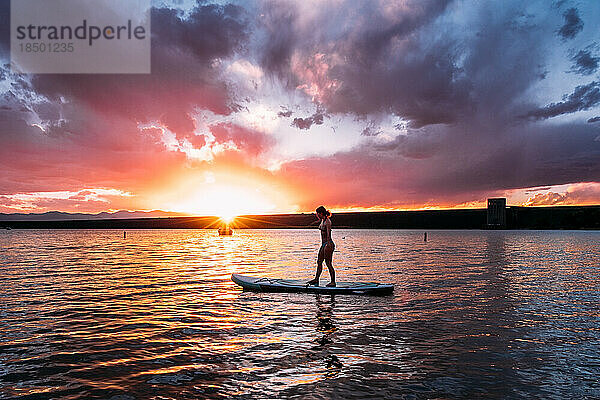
(276, 106)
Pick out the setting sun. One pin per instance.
(227, 218)
(222, 193)
(224, 201)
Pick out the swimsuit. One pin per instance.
(323, 229)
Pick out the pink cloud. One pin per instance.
(249, 141)
(313, 71)
(577, 194)
(87, 200)
(93, 152)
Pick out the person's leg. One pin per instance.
(320, 259)
(328, 261)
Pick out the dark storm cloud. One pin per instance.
(415, 144)
(378, 76)
(285, 113)
(183, 75)
(583, 98)
(441, 170)
(572, 26)
(287, 32)
(278, 22)
(376, 39)
(306, 123)
(395, 88)
(464, 92)
(528, 156)
(584, 62)
(210, 31)
(370, 131)
(405, 62)
(4, 28)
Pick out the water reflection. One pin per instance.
(326, 329)
(86, 314)
(325, 324)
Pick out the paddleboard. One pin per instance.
(292, 285)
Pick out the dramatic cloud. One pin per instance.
(573, 24)
(81, 130)
(415, 170)
(184, 74)
(405, 59)
(246, 140)
(306, 123)
(584, 62)
(285, 114)
(4, 28)
(368, 66)
(578, 194)
(370, 131)
(419, 103)
(583, 98)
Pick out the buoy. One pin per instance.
(425, 237)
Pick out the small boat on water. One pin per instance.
(225, 231)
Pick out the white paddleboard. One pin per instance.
(292, 285)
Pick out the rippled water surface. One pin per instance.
(475, 314)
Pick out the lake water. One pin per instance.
(475, 314)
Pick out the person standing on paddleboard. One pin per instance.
(326, 249)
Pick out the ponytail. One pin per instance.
(322, 210)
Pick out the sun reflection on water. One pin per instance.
(88, 314)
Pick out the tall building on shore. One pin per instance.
(496, 213)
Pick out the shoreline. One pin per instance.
(517, 218)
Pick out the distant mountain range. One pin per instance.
(63, 216)
(558, 217)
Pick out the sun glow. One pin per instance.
(225, 193)
(227, 218)
(223, 201)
